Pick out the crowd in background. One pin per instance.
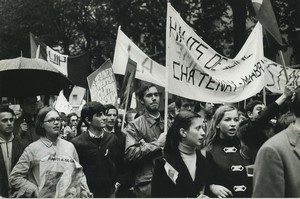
(207, 150)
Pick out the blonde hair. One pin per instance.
(213, 131)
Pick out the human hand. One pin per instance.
(162, 139)
(220, 191)
(289, 90)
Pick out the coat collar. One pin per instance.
(176, 161)
(293, 135)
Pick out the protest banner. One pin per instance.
(147, 69)
(198, 72)
(102, 84)
(62, 104)
(276, 79)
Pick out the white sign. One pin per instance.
(102, 84)
(59, 61)
(196, 71)
(147, 69)
(275, 78)
(62, 104)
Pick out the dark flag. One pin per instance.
(76, 68)
(265, 15)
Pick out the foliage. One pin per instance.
(73, 27)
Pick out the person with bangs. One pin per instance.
(222, 147)
(183, 171)
(50, 164)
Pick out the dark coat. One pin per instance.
(253, 132)
(164, 187)
(228, 167)
(125, 174)
(18, 147)
(97, 157)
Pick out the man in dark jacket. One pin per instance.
(24, 126)
(124, 175)
(97, 151)
(253, 130)
(11, 148)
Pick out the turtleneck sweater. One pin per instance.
(189, 157)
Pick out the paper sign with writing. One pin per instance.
(59, 61)
(275, 78)
(198, 72)
(102, 84)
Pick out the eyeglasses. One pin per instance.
(53, 120)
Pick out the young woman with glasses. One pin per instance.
(49, 167)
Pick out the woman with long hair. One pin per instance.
(222, 146)
(49, 167)
(183, 171)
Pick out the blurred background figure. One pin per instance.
(184, 104)
(130, 116)
(70, 131)
(119, 120)
(17, 110)
(24, 126)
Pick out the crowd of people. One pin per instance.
(207, 150)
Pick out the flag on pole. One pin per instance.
(147, 69)
(128, 84)
(265, 15)
(76, 68)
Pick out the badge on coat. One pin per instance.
(171, 172)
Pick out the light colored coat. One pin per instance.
(277, 166)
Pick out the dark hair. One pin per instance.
(70, 115)
(28, 98)
(250, 106)
(143, 89)
(295, 104)
(89, 109)
(40, 120)
(110, 106)
(179, 100)
(284, 121)
(198, 106)
(5, 108)
(182, 120)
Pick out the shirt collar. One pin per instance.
(9, 140)
(112, 131)
(94, 136)
(48, 143)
